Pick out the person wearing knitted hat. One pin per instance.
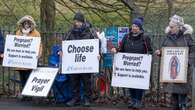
(26, 27)
(136, 41)
(79, 31)
(179, 34)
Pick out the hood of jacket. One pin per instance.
(26, 18)
(187, 29)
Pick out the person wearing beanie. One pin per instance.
(136, 41)
(138, 22)
(179, 34)
(80, 31)
(79, 17)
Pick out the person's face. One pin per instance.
(78, 24)
(135, 28)
(27, 24)
(173, 28)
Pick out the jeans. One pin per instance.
(24, 74)
(136, 95)
(180, 101)
(76, 85)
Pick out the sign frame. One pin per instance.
(180, 67)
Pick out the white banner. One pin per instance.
(131, 70)
(21, 51)
(40, 81)
(80, 56)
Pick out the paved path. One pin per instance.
(12, 104)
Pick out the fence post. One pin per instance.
(193, 89)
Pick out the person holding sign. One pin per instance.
(178, 35)
(26, 27)
(80, 31)
(135, 42)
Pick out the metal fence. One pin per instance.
(10, 86)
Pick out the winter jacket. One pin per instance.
(84, 33)
(33, 33)
(1, 43)
(182, 39)
(139, 44)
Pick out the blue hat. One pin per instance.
(138, 21)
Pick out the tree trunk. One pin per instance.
(133, 9)
(47, 15)
(170, 7)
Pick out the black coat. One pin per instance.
(1, 43)
(86, 33)
(140, 44)
(183, 39)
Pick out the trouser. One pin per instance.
(180, 101)
(136, 95)
(76, 81)
(24, 74)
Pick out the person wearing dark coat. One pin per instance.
(135, 42)
(80, 30)
(179, 34)
(2, 41)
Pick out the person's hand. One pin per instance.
(157, 52)
(60, 53)
(113, 50)
(1, 55)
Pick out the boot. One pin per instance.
(131, 104)
(137, 106)
(72, 102)
(86, 103)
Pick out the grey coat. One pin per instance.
(182, 39)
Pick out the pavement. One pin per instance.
(13, 104)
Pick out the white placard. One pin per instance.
(131, 70)
(80, 56)
(122, 31)
(40, 81)
(21, 51)
(174, 64)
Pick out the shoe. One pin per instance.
(137, 106)
(131, 104)
(72, 102)
(24, 98)
(86, 103)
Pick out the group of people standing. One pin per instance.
(178, 34)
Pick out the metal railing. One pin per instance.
(9, 86)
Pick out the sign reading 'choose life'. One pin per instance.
(80, 56)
